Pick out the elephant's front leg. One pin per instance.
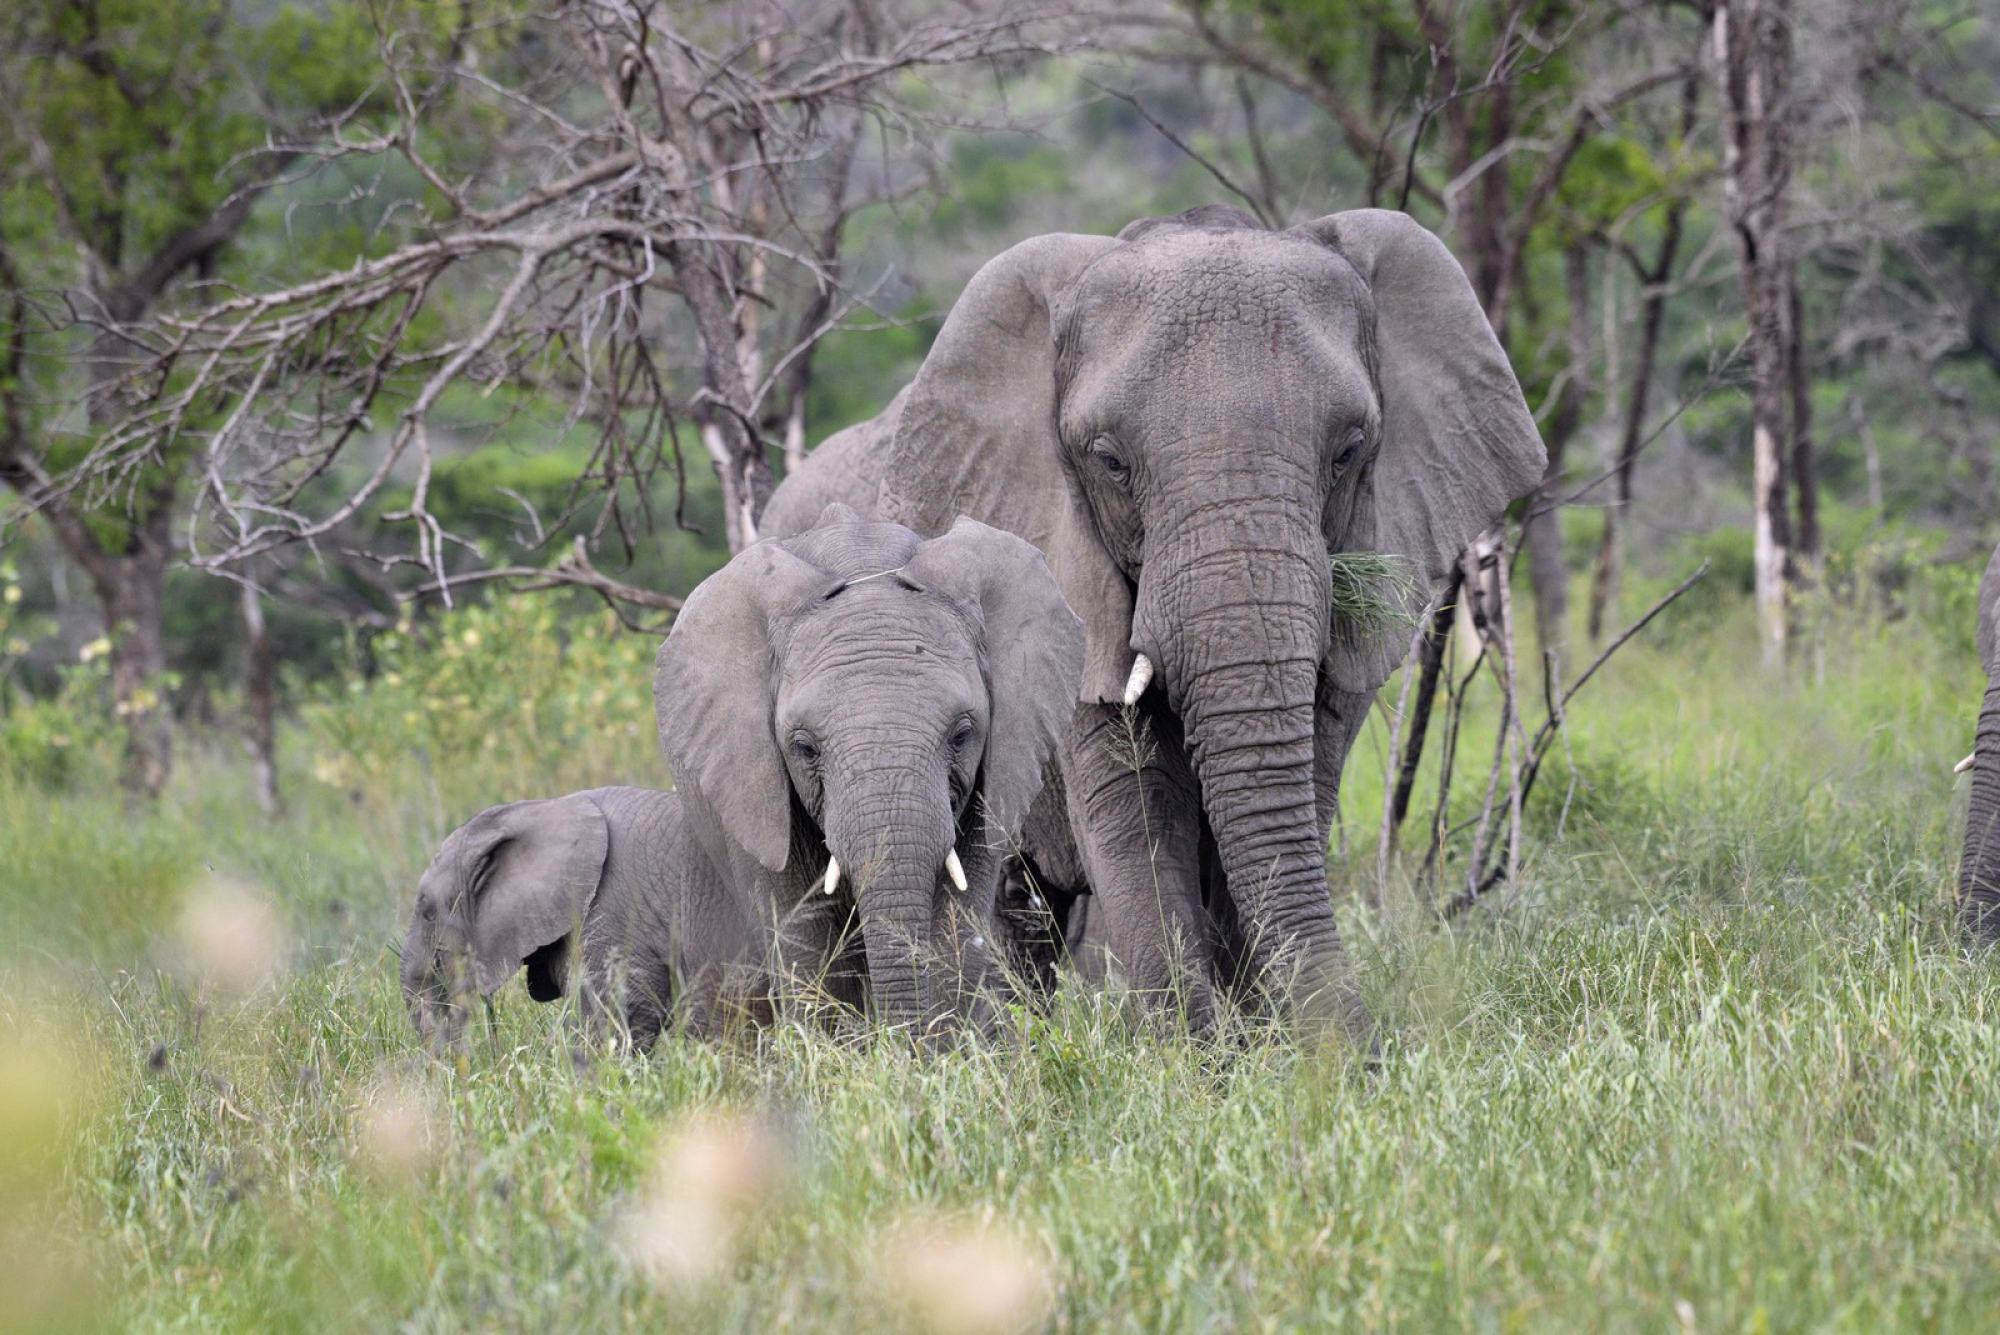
(1135, 808)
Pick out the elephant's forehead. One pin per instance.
(881, 635)
(1198, 282)
(855, 548)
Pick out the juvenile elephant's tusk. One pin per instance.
(1965, 764)
(832, 875)
(955, 869)
(1135, 685)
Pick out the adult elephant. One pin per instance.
(1190, 419)
(1979, 872)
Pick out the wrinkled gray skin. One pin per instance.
(1188, 418)
(858, 691)
(1979, 872)
(861, 693)
(522, 885)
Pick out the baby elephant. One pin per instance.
(522, 884)
(857, 721)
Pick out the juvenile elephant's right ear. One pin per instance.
(715, 690)
(978, 437)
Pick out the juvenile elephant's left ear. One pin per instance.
(1034, 655)
(1459, 444)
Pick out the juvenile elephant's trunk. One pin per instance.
(893, 860)
(1241, 662)
(436, 977)
(1979, 873)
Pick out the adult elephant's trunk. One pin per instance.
(893, 864)
(1979, 873)
(1239, 623)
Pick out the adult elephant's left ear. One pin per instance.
(978, 436)
(1459, 444)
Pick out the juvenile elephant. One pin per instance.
(1192, 419)
(857, 720)
(1979, 872)
(524, 884)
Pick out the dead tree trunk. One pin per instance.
(1753, 49)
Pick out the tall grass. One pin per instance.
(1716, 1066)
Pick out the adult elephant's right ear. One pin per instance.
(1459, 444)
(978, 437)
(715, 685)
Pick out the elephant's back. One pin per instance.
(642, 822)
(846, 468)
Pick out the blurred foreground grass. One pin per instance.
(1716, 1067)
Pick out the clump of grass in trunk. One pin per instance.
(1377, 590)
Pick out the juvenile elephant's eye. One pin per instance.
(1107, 457)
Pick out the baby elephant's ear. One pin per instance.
(533, 876)
(1034, 647)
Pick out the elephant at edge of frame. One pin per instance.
(1197, 420)
(1979, 871)
(857, 720)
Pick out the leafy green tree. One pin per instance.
(138, 140)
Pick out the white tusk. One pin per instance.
(1135, 685)
(1964, 765)
(955, 869)
(832, 875)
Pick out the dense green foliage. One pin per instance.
(1718, 1063)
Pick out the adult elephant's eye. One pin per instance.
(1350, 448)
(1107, 457)
(804, 748)
(961, 734)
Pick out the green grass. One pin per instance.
(1717, 1065)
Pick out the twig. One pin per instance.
(1554, 724)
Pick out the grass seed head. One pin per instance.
(709, 1175)
(232, 939)
(397, 1131)
(969, 1278)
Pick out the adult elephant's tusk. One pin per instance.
(955, 869)
(832, 874)
(1965, 764)
(1135, 685)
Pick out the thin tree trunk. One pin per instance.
(260, 694)
(1652, 305)
(1753, 51)
(1430, 659)
(1805, 466)
(1543, 530)
(131, 589)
